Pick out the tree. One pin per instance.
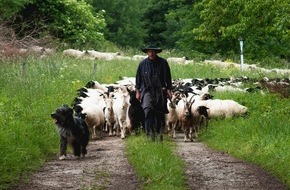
(259, 22)
(154, 21)
(9, 8)
(71, 21)
(180, 22)
(123, 19)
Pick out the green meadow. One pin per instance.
(32, 88)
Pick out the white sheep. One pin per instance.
(74, 53)
(179, 60)
(171, 118)
(120, 106)
(188, 62)
(96, 85)
(188, 120)
(120, 57)
(109, 113)
(90, 108)
(125, 81)
(94, 118)
(227, 88)
(221, 108)
(92, 93)
(139, 57)
(107, 56)
(92, 112)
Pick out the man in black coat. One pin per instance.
(153, 86)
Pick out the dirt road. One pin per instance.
(212, 170)
(106, 167)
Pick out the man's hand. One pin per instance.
(169, 94)
(138, 96)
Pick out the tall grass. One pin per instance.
(261, 137)
(156, 164)
(32, 88)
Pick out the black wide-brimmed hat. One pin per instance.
(151, 47)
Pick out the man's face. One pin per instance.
(151, 54)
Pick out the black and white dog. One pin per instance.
(71, 130)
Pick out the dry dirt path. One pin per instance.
(106, 167)
(208, 169)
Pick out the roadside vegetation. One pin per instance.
(261, 137)
(156, 164)
(32, 88)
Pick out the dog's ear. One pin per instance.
(78, 109)
(90, 84)
(70, 111)
(65, 105)
(83, 115)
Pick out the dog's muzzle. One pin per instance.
(54, 117)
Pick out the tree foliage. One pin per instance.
(69, 20)
(260, 23)
(154, 22)
(188, 26)
(8, 8)
(124, 24)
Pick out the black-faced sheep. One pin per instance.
(136, 113)
(186, 118)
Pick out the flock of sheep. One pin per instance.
(105, 107)
(108, 56)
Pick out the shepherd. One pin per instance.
(153, 87)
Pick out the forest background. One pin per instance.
(201, 29)
(197, 29)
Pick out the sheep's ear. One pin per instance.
(176, 93)
(128, 89)
(119, 89)
(104, 95)
(192, 102)
(191, 99)
(184, 100)
(111, 95)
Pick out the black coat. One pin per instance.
(153, 78)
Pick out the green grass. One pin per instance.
(261, 137)
(156, 164)
(28, 137)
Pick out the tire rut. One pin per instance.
(208, 169)
(106, 167)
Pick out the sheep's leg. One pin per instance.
(111, 130)
(106, 127)
(168, 129)
(185, 135)
(173, 130)
(123, 131)
(117, 128)
(190, 134)
(206, 122)
(195, 131)
(94, 135)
